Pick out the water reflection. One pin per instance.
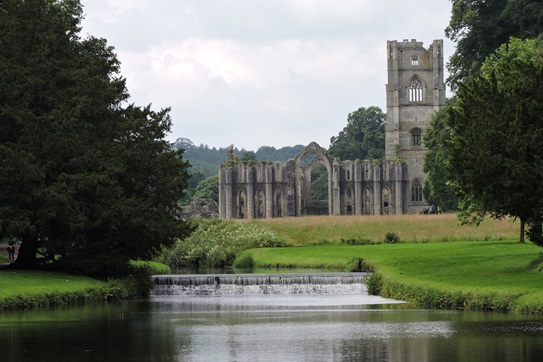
(267, 328)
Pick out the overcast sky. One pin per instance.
(260, 72)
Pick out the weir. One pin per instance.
(253, 284)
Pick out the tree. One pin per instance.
(480, 27)
(208, 188)
(495, 155)
(84, 181)
(437, 189)
(248, 156)
(362, 138)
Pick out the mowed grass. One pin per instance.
(499, 269)
(318, 230)
(30, 283)
(439, 262)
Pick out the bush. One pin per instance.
(374, 282)
(216, 242)
(392, 238)
(356, 241)
(246, 261)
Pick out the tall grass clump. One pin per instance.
(216, 242)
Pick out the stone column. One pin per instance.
(358, 197)
(250, 192)
(335, 208)
(268, 169)
(398, 192)
(228, 193)
(377, 192)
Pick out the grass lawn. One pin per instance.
(496, 269)
(22, 282)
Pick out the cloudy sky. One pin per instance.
(260, 72)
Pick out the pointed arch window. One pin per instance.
(416, 191)
(416, 137)
(415, 90)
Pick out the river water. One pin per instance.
(305, 325)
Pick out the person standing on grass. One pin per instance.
(11, 251)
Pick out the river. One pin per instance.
(305, 325)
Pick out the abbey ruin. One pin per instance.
(415, 91)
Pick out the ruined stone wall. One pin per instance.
(266, 190)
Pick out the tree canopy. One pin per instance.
(438, 190)
(86, 180)
(362, 138)
(495, 153)
(479, 27)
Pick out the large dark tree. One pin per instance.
(496, 131)
(479, 27)
(362, 138)
(85, 180)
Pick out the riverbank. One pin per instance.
(24, 289)
(498, 275)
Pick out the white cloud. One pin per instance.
(259, 72)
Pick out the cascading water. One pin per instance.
(254, 284)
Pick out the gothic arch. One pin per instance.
(416, 89)
(242, 204)
(303, 175)
(416, 191)
(277, 204)
(368, 201)
(260, 204)
(387, 201)
(348, 201)
(415, 137)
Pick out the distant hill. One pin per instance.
(207, 160)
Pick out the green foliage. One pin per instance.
(391, 238)
(154, 267)
(319, 183)
(362, 138)
(495, 153)
(208, 188)
(438, 190)
(207, 160)
(216, 242)
(245, 262)
(479, 27)
(374, 282)
(84, 176)
(356, 241)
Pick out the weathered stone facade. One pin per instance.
(415, 90)
(279, 189)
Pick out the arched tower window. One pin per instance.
(416, 137)
(415, 90)
(416, 191)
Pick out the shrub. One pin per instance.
(356, 241)
(216, 242)
(246, 261)
(392, 238)
(374, 282)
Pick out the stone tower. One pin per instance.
(415, 91)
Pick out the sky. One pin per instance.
(258, 73)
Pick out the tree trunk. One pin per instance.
(26, 258)
(522, 225)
